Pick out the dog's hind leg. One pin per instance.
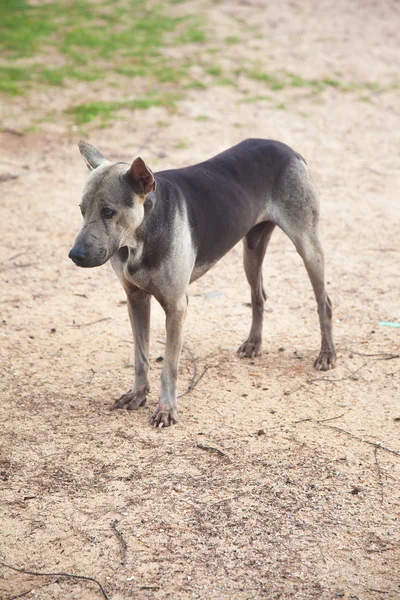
(299, 220)
(309, 248)
(254, 247)
(139, 315)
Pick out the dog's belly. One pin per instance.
(227, 236)
(200, 270)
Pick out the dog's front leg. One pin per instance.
(166, 413)
(139, 315)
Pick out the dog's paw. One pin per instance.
(326, 360)
(132, 400)
(250, 348)
(164, 416)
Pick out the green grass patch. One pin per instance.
(24, 28)
(105, 111)
(232, 39)
(298, 81)
(13, 79)
(195, 85)
(195, 33)
(282, 80)
(57, 76)
(130, 36)
(253, 99)
(226, 81)
(89, 40)
(272, 80)
(214, 70)
(181, 145)
(85, 113)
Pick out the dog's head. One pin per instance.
(112, 206)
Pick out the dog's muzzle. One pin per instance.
(78, 255)
(84, 257)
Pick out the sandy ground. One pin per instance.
(292, 506)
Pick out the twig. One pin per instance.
(93, 375)
(57, 575)
(319, 420)
(356, 437)
(194, 370)
(296, 389)
(193, 385)
(330, 418)
(374, 444)
(193, 381)
(378, 355)
(322, 554)
(13, 131)
(341, 378)
(122, 540)
(7, 177)
(149, 587)
(227, 499)
(20, 595)
(214, 449)
(29, 591)
(92, 322)
(22, 266)
(380, 482)
(18, 255)
(11, 300)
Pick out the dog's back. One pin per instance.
(228, 194)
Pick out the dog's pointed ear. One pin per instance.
(141, 177)
(92, 157)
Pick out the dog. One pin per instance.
(164, 230)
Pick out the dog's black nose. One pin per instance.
(78, 255)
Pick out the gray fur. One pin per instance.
(92, 157)
(163, 231)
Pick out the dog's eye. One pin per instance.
(107, 213)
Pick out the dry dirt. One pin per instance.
(291, 507)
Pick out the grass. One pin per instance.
(214, 70)
(181, 145)
(226, 81)
(195, 85)
(12, 78)
(253, 99)
(58, 43)
(82, 40)
(281, 80)
(130, 36)
(232, 39)
(105, 111)
(273, 81)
